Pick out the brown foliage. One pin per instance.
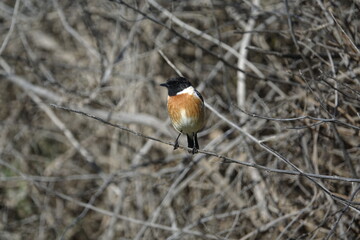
(286, 73)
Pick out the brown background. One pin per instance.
(66, 175)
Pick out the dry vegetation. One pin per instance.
(280, 152)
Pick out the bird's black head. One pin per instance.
(175, 85)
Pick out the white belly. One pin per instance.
(187, 125)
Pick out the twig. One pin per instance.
(319, 120)
(347, 38)
(170, 63)
(269, 78)
(92, 200)
(225, 159)
(72, 31)
(270, 224)
(106, 212)
(166, 200)
(331, 232)
(74, 142)
(278, 54)
(12, 26)
(278, 155)
(192, 29)
(27, 86)
(241, 77)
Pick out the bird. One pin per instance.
(186, 110)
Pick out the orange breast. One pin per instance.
(186, 112)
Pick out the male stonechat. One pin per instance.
(186, 110)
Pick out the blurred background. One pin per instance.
(281, 144)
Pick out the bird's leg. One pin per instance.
(196, 145)
(196, 141)
(176, 144)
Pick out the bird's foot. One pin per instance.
(193, 150)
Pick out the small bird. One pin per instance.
(186, 110)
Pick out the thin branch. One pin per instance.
(268, 78)
(103, 211)
(346, 207)
(27, 86)
(74, 142)
(319, 120)
(192, 29)
(224, 158)
(170, 63)
(73, 32)
(12, 26)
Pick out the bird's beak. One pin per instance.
(163, 85)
